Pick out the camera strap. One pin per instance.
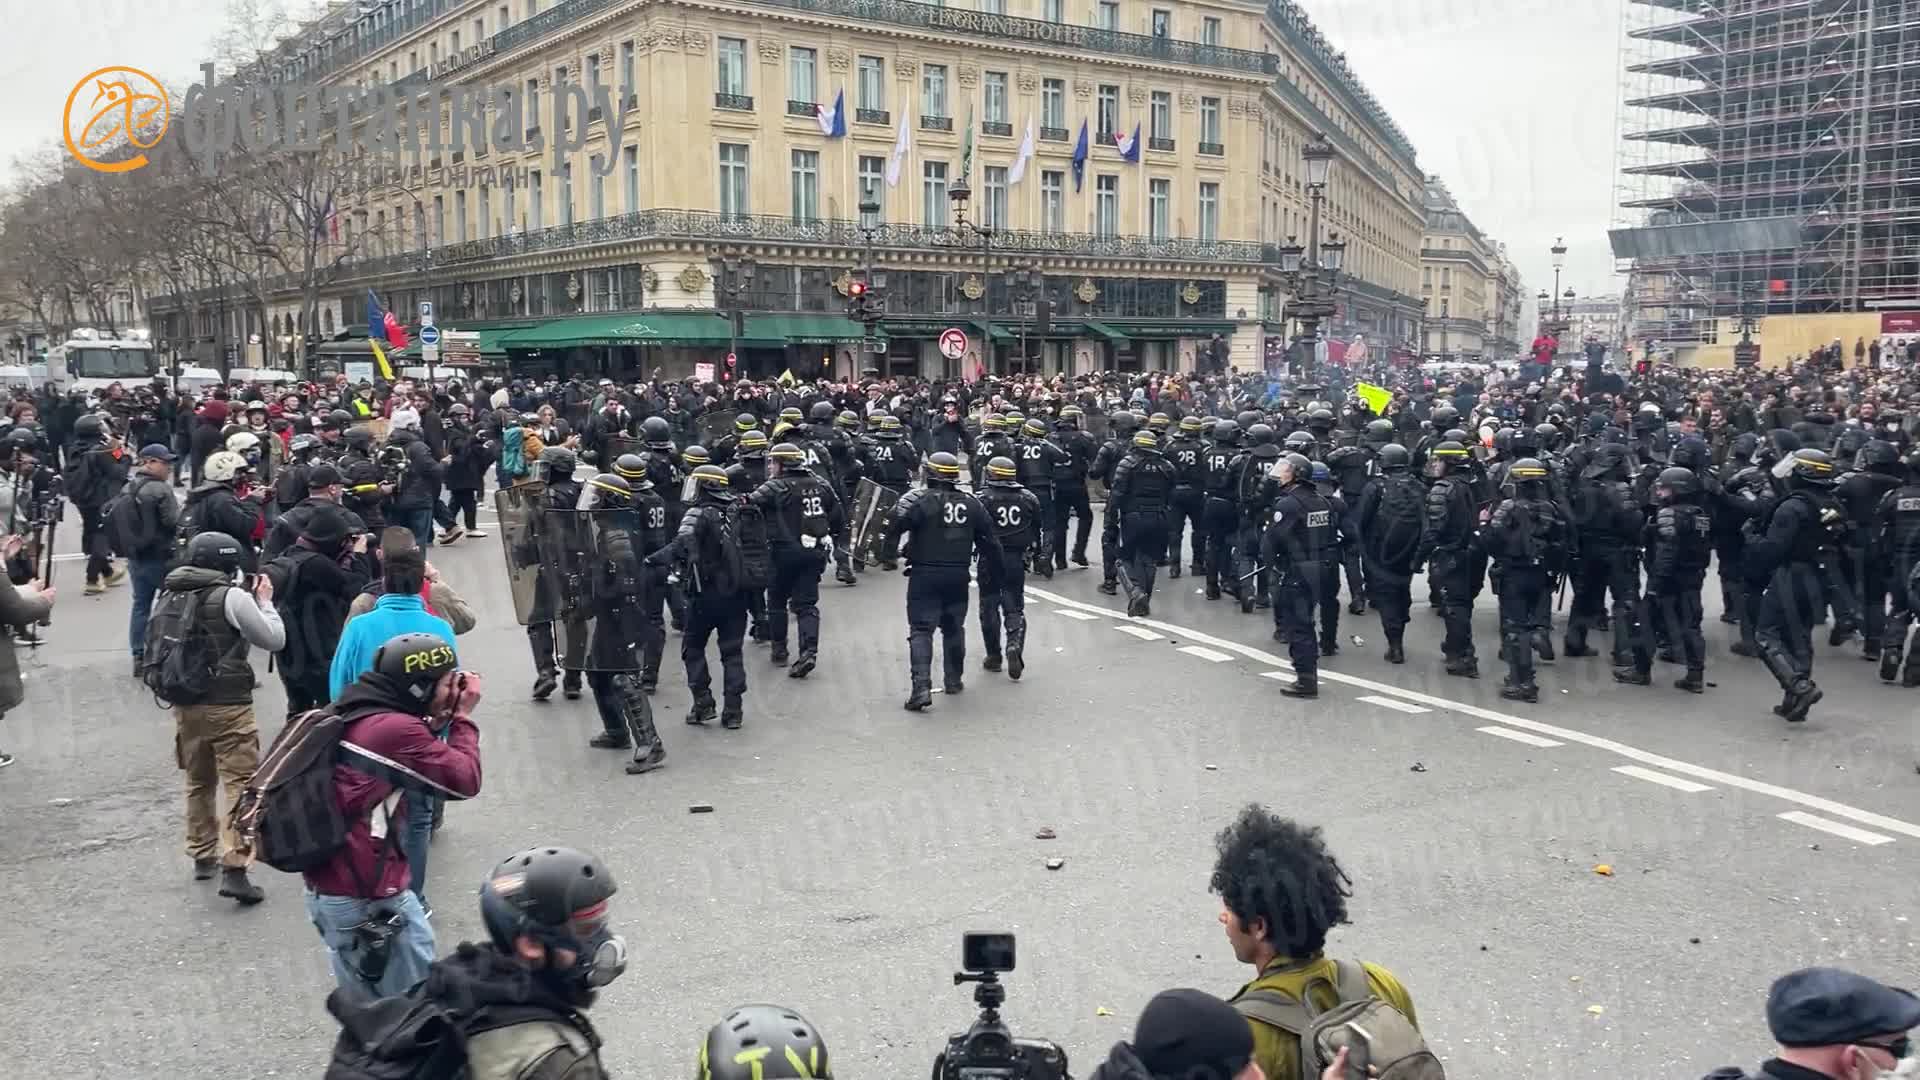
(383, 835)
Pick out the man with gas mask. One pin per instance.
(1609, 523)
(1527, 538)
(804, 513)
(1799, 539)
(608, 586)
(1016, 516)
(1447, 539)
(1137, 509)
(1679, 543)
(518, 999)
(1301, 551)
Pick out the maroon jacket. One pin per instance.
(407, 747)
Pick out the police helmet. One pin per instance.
(788, 454)
(1608, 457)
(1190, 425)
(791, 414)
(1069, 417)
(709, 476)
(889, 424)
(1691, 453)
(339, 418)
(846, 418)
(89, 427)
(993, 421)
(558, 461)
(745, 422)
(1458, 435)
(304, 444)
(415, 662)
(1246, 418)
(1146, 439)
(753, 444)
(358, 437)
(1226, 432)
(1547, 436)
(1320, 419)
(821, 412)
(1034, 427)
(1675, 482)
(1001, 471)
(223, 465)
(694, 456)
(1159, 421)
(778, 1043)
(1122, 422)
(1450, 454)
(1291, 469)
(1015, 418)
(1811, 468)
(633, 469)
(1321, 474)
(1443, 417)
(873, 421)
(1380, 430)
(1260, 434)
(558, 897)
(1743, 446)
(1525, 469)
(1880, 456)
(214, 551)
(1299, 442)
(1775, 445)
(1394, 457)
(607, 491)
(942, 467)
(656, 432)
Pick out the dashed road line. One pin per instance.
(1071, 614)
(1613, 746)
(1396, 706)
(1662, 779)
(1814, 821)
(1140, 632)
(1517, 736)
(1204, 653)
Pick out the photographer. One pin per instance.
(19, 606)
(96, 471)
(1184, 1035)
(764, 1042)
(412, 711)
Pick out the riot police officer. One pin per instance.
(1527, 538)
(727, 448)
(1251, 470)
(615, 584)
(1390, 521)
(1610, 525)
(1070, 487)
(1897, 544)
(1015, 514)
(1300, 549)
(1679, 545)
(1120, 426)
(946, 527)
(992, 443)
(557, 464)
(1327, 588)
(1446, 548)
(1187, 505)
(1352, 466)
(1221, 515)
(706, 557)
(804, 513)
(1877, 470)
(650, 525)
(1800, 534)
(890, 461)
(1038, 459)
(828, 451)
(1137, 510)
(744, 477)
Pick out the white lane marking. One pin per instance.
(1287, 675)
(1139, 632)
(1396, 706)
(1661, 778)
(1214, 655)
(1813, 821)
(1080, 615)
(1516, 736)
(1612, 746)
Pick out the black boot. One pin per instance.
(205, 869)
(1802, 696)
(1743, 648)
(1465, 667)
(608, 740)
(1695, 681)
(1520, 691)
(1213, 590)
(1395, 653)
(1912, 676)
(1302, 687)
(1109, 587)
(1329, 646)
(732, 714)
(920, 698)
(1574, 646)
(991, 663)
(1890, 658)
(570, 686)
(544, 686)
(646, 763)
(235, 886)
(802, 664)
(1870, 650)
(1632, 676)
(701, 712)
(1173, 570)
(1016, 664)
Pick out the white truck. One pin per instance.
(95, 359)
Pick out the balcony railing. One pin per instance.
(1157, 142)
(736, 102)
(872, 116)
(936, 123)
(1051, 134)
(708, 225)
(996, 127)
(802, 108)
(1105, 138)
(1211, 149)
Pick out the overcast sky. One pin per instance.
(1510, 101)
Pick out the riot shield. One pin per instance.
(567, 542)
(529, 578)
(1097, 425)
(612, 446)
(872, 505)
(604, 620)
(713, 426)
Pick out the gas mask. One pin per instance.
(600, 955)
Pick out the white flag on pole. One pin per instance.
(899, 154)
(1019, 168)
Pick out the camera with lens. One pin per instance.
(988, 1050)
(393, 464)
(372, 945)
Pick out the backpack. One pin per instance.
(83, 482)
(513, 457)
(731, 571)
(1395, 1048)
(748, 525)
(178, 658)
(1400, 519)
(288, 813)
(126, 527)
(405, 1037)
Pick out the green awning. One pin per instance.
(773, 331)
(1102, 330)
(632, 328)
(1195, 328)
(493, 339)
(1001, 331)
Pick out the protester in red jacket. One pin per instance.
(409, 734)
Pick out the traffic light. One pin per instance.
(857, 299)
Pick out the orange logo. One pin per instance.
(124, 105)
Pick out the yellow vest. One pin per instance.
(1277, 1051)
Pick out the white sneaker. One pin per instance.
(477, 532)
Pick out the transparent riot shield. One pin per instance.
(872, 505)
(713, 426)
(604, 623)
(529, 578)
(567, 542)
(612, 446)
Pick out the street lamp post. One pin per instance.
(736, 271)
(1746, 354)
(870, 224)
(1311, 274)
(959, 193)
(1021, 287)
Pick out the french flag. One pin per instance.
(833, 118)
(1128, 145)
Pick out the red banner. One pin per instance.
(1900, 322)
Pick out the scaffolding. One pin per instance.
(1744, 109)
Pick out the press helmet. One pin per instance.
(415, 663)
(778, 1043)
(223, 466)
(558, 897)
(215, 551)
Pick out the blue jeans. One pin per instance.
(412, 946)
(147, 574)
(416, 837)
(419, 522)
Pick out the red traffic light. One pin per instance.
(857, 288)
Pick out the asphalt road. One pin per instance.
(852, 843)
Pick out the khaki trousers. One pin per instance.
(215, 744)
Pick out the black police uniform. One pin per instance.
(1897, 543)
(1862, 568)
(946, 526)
(1104, 462)
(562, 495)
(1390, 522)
(1800, 535)
(1070, 495)
(1679, 543)
(716, 606)
(1527, 538)
(827, 448)
(1036, 459)
(744, 477)
(1187, 505)
(890, 461)
(619, 629)
(1137, 509)
(1610, 524)
(1252, 503)
(1351, 467)
(650, 527)
(1299, 547)
(803, 512)
(1222, 517)
(1015, 514)
(1446, 547)
(668, 479)
(1327, 592)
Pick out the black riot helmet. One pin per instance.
(889, 426)
(1395, 458)
(656, 432)
(1503, 442)
(791, 415)
(1190, 427)
(1742, 447)
(1457, 434)
(1675, 482)
(1379, 431)
(414, 663)
(1320, 420)
(764, 1042)
(1527, 474)
(558, 897)
(821, 412)
(752, 445)
(89, 426)
(633, 469)
(1609, 460)
(1227, 433)
(1260, 435)
(1001, 472)
(745, 422)
(791, 457)
(1879, 456)
(1246, 418)
(1443, 417)
(1299, 442)
(358, 437)
(710, 479)
(214, 551)
(1445, 458)
(1691, 453)
(1122, 424)
(558, 462)
(607, 491)
(1775, 445)
(1808, 468)
(847, 418)
(1546, 437)
(1522, 442)
(1293, 469)
(1148, 440)
(942, 468)
(1159, 421)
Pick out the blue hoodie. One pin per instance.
(392, 615)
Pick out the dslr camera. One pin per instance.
(988, 1050)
